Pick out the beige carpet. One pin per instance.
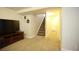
(38, 43)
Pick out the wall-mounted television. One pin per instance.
(8, 26)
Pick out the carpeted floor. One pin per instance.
(38, 43)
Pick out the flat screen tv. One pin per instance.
(8, 26)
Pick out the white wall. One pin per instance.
(32, 27)
(70, 28)
(6, 13)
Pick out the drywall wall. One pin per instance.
(6, 13)
(53, 23)
(70, 28)
(29, 26)
(32, 27)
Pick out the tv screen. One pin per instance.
(8, 26)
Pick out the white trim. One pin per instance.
(30, 36)
(63, 49)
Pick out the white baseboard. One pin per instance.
(63, 49)
(30, 36)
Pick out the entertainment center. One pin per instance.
(9, 32)
(10, 38)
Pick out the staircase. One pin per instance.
(41, 31)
